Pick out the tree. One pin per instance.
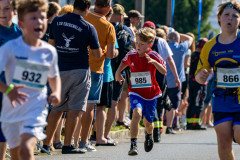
(185, 16)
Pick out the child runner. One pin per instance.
(8, 31)
(28, 63)
(143, 89)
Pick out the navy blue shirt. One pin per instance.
(72, 36)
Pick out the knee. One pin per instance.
(237, 138)
(225, 145)
(25, 151)
(137, 114)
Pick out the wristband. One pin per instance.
(9, 89)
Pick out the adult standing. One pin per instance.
(222, 53)
(71, 35)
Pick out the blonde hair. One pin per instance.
(66, 9)
(161, 33)
(165, 28)
(146, 34)
(222, 6)
(26, 6)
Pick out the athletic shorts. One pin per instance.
(106, 95)
(220, 117)
(2, 137)
(175, 96)
(118, 88)
(96, 88)
(185, 85)
(148, 107)
(75, 89)
(13, 131)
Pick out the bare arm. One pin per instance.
(55, 85)
(159, 66)
(172, 66)
(111, 51)
(185, 37)
(187, 61)
(97, 53)
(118, 75)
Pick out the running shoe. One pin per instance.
(148, 144)
(133, 150)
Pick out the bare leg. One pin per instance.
(148, 126)
(53, 120)
(3, 150)
(122, 105)
(14, 153)
(111, 115)
(78, 130)
(170, 116)
(87, 119)
(136, 117)
(224, 133)
(236, 133)
(26, 148)
(100, 123)
(70, 126)
(57, 136)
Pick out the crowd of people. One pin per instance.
(89, 70)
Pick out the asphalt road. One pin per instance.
(186, 145)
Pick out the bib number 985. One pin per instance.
(140, 80)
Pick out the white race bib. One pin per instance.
(141, 79)
(228, 77)
(32, 75)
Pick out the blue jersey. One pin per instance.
(217, 55)
(9, 33)
(72, 36)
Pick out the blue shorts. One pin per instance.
(96, 88)
(220, 117)
(148, 107)
(175, 96)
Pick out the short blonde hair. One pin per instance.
(165, 28)
(146, 34)
(161, 33)
(222, 6)
(66, 9)
(26, 6)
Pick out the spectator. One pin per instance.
(66, 9)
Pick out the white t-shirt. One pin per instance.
(163, 49)
(24, 64)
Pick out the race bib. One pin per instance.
(32, 75)
(228, 77)
(141, 79)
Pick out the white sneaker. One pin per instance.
(88, 146)
(82, 147)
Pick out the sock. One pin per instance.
(133, 140)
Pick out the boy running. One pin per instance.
(28, 63)
(143, 89)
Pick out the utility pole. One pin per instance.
(169, 12)
(140, 6)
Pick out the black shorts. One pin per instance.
(220, 117)
(174, 96)
(118, 88)
(106, 95)
(185, 85)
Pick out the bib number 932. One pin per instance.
(31, 76)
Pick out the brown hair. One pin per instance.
(192, 47)
(110, 13)
(103, 3)
(165, 28)
(161, 33)
(26, 6)
(222, 6)
(66, 9)
(146, 34)
(53, 8)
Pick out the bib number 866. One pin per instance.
(230, 78)
(31, 76)
(140, 80)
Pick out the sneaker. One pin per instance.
(170, 130)
(209, 125)
(112, 140)
(122, 124)
(86, 147)
(48, 148)
(71, 150)
(93, 139)
(58, 145)
(148, 144)
(133, 150)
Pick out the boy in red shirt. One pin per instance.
(143, 89)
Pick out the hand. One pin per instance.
(54, 99)
(119, 77)
(178, 83)
(202, 76)
(16, 95)
(150, 60)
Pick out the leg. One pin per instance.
(122, 105)
(78, 130)
(100, 123)
(170, 116)
(136, 117)
(70, 126)
(111, 115)
(53, 120)
(236, 133)
(224, 137)
(57, 136)
(26, 148)
(87, 119)
(14, 153)
(3, 149)
(148, 126)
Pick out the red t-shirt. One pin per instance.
(140, 64)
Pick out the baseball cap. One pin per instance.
(149, 24)
(134, 13)
(201, 42)
(119, 9)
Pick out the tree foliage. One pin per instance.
(185, 13)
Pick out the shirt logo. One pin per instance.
(135, 101)
(132, 64)
(68, 40)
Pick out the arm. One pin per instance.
(118, 75)
(202, 76)
(52, 42)
(111, 51)
(187, 61)
(159, 66)
(172, 66)
(14, 94)
(97, 53)
(55, 85)
(185, 37)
